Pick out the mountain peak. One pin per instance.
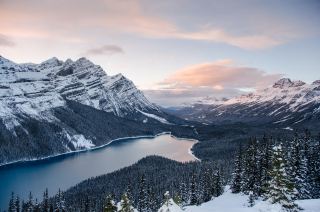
(283, 83)
(298, 83)
(53, 62)
(317, 82)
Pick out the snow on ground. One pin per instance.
(229, 202)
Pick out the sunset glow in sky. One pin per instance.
(173, 50)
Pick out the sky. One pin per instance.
(174, 51)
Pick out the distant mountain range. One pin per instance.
(286, 103)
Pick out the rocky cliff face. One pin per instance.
(88, 84)
(285, 103)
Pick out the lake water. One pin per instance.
(67, 170)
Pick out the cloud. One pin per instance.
(173, 97)
(218, 87)
(219, 35)
(218, 75)
(103, 50)
(78, 20)
(6, 41)
(224, 78)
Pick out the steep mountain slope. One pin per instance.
(88, 84)
(50, 109)
(285, 103)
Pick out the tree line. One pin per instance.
(255, 171)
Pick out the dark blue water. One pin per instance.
(67, 170)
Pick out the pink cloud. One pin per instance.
(218, 75)
(82, 20)
(103, 50)
(218, 87)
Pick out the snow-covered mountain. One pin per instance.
(57, 107)
(80, 81)
(284, 103)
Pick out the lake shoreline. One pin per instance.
(104, 145)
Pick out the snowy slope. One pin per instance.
(285, 103)
(229, 202)
(88, 84)
(37, 119)
(25, 90)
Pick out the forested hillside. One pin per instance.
(196, 182)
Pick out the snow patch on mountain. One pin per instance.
(162, 120)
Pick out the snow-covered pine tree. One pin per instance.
(148, 200)
(29, 204)
(251, 199)
(206, 195)
(281, 189)
(45, 202)
(37, 207)
(178, 201)
(129, 190)
(183, 192)
(219, 187)
(248, 178)
(24, 206)
(199, 191)
(265, 154)
(237, 173)
(109, 204)
(12, 205)
(192, 189)
(59, 202)
(17, 203)
(314, 168)
(257, 169)
(155, 204)
(298, 167)
(142, 204)
(126, 204)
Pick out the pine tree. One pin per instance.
(45, 202)
(178, 201)
(12, 205)
(199, 192)
(218, 184)
(24, 207)
(298, 167)
(59, 202)
(206, 195)
(30, 206)
(109, 205)
(183, 192)
(154, 201)
(237, 173)
(315, 168)
(148, 199)
(281, 190)
(36, 206)
(17, 203)
(247, 172)
(251, 199)
(129, 190)
(126, 204)
(192, 190)
(142, 204)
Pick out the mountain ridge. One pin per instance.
(284, 103)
